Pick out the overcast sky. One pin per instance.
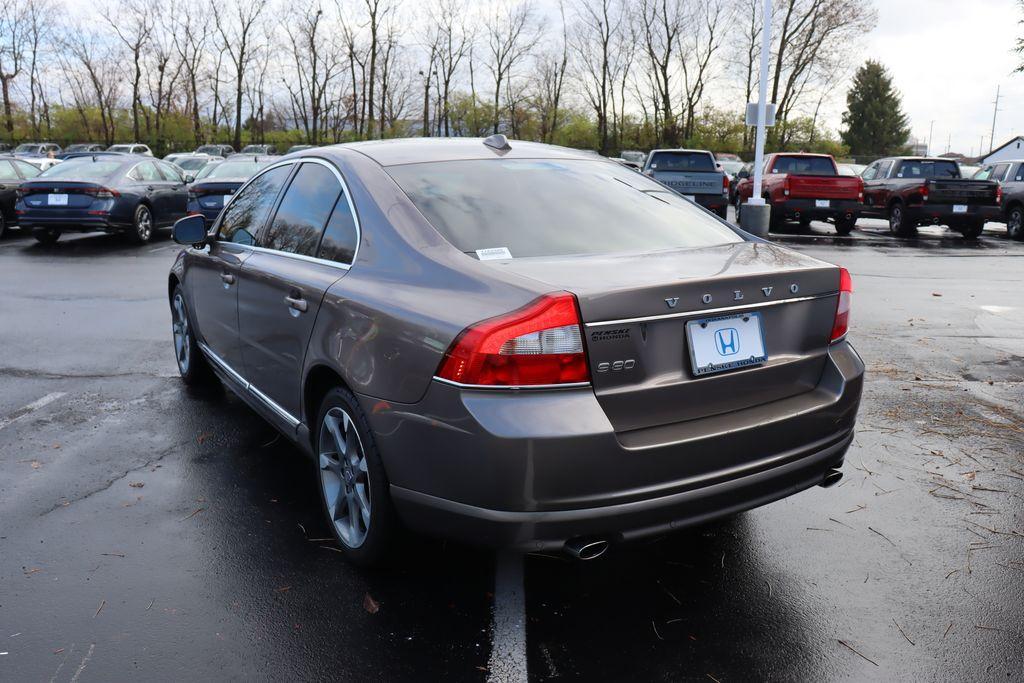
(947, 57)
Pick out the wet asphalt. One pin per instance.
(150, 532)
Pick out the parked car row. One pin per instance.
(112, 192)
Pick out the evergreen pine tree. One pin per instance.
(874, 120)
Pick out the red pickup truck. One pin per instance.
(806, 187)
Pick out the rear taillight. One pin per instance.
(924, 192)
(785, 186)
(999, 194)
(725, 186)
(860, 189)
(107, 193)
(842, 320)
(539, 344)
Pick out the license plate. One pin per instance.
(959, 208)
(822, 203)
(57, 200)
(726, 343)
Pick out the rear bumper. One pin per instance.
(944, 214)
(83, 223)
(808, 208)
(531, 470)
(712, 202)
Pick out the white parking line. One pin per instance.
(508, 646)
(31, 407)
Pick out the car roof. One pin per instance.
(419, 150)
(681, 149)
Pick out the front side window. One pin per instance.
(170, 173)
(247, 212)
(7, 171)
(549, 207)
(27, 169)
(304, 209)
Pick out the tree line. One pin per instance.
(599, 74)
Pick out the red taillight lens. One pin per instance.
(842, 320)
(860, 190)
(725, 186)
(539, 344)
(785, 186)
(924, 192)
(999, 194)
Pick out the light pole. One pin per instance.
(756, 215)
(931, 128)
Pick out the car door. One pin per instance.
(213, 272)
(177, 194)
(10, 180)
(283, 284)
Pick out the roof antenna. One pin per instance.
(498, 142)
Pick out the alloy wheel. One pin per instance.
(896, 220)
(1015, 224)
(143, 224)
(344, 477)
(179, 325)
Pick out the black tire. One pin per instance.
(972, 230)
(142, 225)
(46, 236)
(3, 226)
(1015, 223)
(369, 543)
(192, 364)
(898, 223)
(844, 226)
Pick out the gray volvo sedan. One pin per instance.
(515, 345)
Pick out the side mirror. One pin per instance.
(744, 173)
(190, 230)
(189, 178)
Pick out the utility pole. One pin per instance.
(949, 142)
(931, 129)
(992, 137)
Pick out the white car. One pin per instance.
(133, 148)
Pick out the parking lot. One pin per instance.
(153, 533)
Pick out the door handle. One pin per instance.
(227, 278)
(150, 188)
(297, 303)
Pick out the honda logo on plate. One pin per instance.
(727, 341)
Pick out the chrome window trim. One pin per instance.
(288, 254)
(348, 199)
(507, 387)
(248, 386)
(710, 311)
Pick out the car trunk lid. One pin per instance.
(635, 309)
(60, 194)
(960, 191)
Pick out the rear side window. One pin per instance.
(304, 210)
(682, 161)
(800, 165)
(928, 169)
(340, 236)
(535, 207)
(27, 169)
(169, 172)
(246, 213)
(148, 172)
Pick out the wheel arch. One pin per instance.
(319, 380)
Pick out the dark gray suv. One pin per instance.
(515, 344)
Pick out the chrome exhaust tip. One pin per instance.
(832, 478)
(586, 548)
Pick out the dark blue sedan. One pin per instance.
(131, 195)
(217, 181)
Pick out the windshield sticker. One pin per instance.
(493, 254)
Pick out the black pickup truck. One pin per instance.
(913, 191)
(1009, 174)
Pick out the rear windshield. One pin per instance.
(234, 169)
(82, 169)
(928, 169)
(119, 148)
(554, 208)
(25, 149)
(682, 161)
(804, 165)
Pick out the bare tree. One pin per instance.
(132, 23)
(40, 31)
(191, 36)
(453, 44)
(552, 67)
(699, 46)
(14, 38)
(511, 34)
(236, 23)
(316, 61)
(596, 41)
(660, 24)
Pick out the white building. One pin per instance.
(1012, 150)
